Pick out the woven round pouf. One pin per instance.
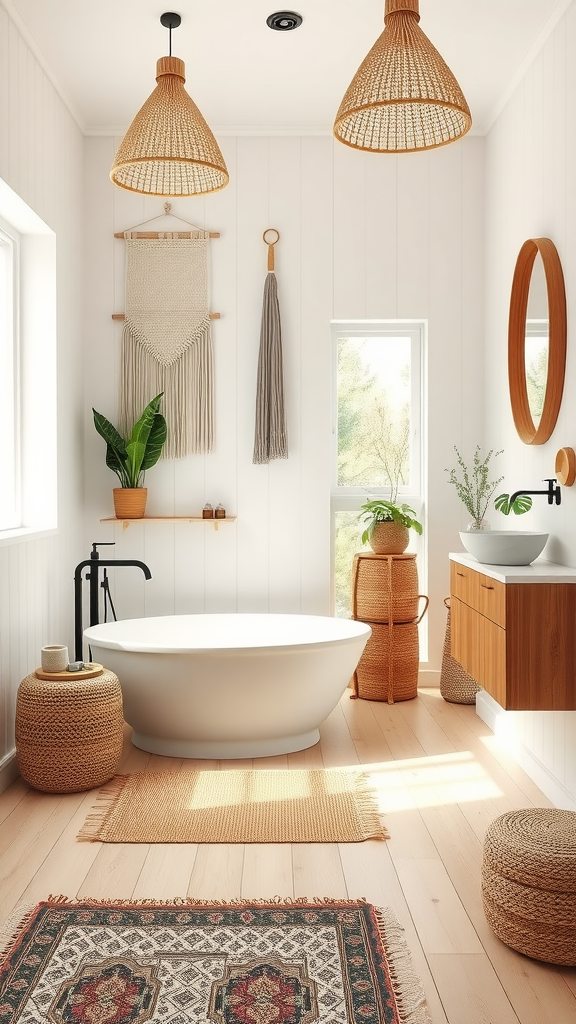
(456, 685)
(529, 882)
(69, 732)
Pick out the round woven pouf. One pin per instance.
(529, 882)
(69, 732)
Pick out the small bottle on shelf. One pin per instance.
(207, 511)
(220, 512)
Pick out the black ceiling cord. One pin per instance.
(170, 20)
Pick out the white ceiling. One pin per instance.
(102, 55)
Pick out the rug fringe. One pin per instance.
(102, 809)
(192, 901)
(366, 798)
(407, 986)
(14, 924)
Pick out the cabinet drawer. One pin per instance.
(486, 595)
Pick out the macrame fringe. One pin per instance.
(102, 809)
(407, 987)
(188, 386)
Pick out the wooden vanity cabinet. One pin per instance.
(518, 640)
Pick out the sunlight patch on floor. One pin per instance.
(434, 781)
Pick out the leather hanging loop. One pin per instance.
(271, 246)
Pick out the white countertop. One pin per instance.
(539, 571)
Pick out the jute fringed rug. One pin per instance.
(320, 806)
(279, 962)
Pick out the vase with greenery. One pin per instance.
(386, 525)
(474, 486)
(130, 458)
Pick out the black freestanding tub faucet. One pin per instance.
(95, 563)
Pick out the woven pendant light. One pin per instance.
(403, 96)
(169, 149)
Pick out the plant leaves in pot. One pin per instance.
(387, 525)
(130, 458)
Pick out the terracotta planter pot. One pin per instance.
(130, 502)
(389, 538)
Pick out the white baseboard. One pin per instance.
(429, 677)
(495, 718)
(9, 770)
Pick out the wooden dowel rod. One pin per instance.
(157, 234)
(122, 316)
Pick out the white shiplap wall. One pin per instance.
(531, 169)
(41, 158)
(362, 236)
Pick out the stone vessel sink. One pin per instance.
(504, 547)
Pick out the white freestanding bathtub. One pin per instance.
(234, 685)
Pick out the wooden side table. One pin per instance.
(385, 595)
(69, 731)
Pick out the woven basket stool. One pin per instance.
(69, 732)
(529, 882)
(388, 668)
(456, 685)
(384, 587)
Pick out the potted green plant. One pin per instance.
(475, 489)
(130, 458)
(474, 486)
(387, 525)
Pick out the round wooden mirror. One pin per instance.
(537, 340)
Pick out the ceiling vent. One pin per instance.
(284, 21)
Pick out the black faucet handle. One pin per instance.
(554, 492)
(101, 544)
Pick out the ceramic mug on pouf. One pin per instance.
(54, 658)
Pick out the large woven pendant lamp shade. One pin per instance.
(169, 149)
(403, 96)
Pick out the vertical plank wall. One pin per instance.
(362, 236)
(531, 169)
(41, 158)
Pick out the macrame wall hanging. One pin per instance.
(270, 435)
(167, 336)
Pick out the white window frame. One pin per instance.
(35, 381)
(10, 374)
(349, 499)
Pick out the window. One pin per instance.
(378, 433)
(9, 377)
(28, 491)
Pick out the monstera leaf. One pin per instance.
(521, 504)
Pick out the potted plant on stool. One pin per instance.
(131, 458)
(387, 524)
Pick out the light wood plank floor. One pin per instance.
(441, 779)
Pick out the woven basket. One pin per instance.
(529, 882)
(456, 685)
(384, 587)
(69, 733)
(388, 668)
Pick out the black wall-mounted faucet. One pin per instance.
(95, 563)
(553, 493)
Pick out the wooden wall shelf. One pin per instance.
(168, 519)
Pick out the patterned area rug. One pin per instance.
(317, 806)
(284, 962)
